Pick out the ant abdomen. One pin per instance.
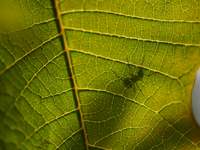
(140, 74)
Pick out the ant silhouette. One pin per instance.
(130, 82)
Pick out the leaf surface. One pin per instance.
(98, 74)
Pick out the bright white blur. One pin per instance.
(196, 98)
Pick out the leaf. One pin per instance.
(98, 74)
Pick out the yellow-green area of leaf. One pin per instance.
(98, 74)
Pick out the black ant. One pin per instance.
(130, 82)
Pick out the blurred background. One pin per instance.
(196, 98)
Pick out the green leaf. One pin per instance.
(104, 74)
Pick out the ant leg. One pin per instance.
(133, 87)
(143, 58)
(130, 69)
(139, 88)
(115, 73)
(141, 72)
(118, 76)
(149, 74)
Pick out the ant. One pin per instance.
(130, 82)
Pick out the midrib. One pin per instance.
(71, 69)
